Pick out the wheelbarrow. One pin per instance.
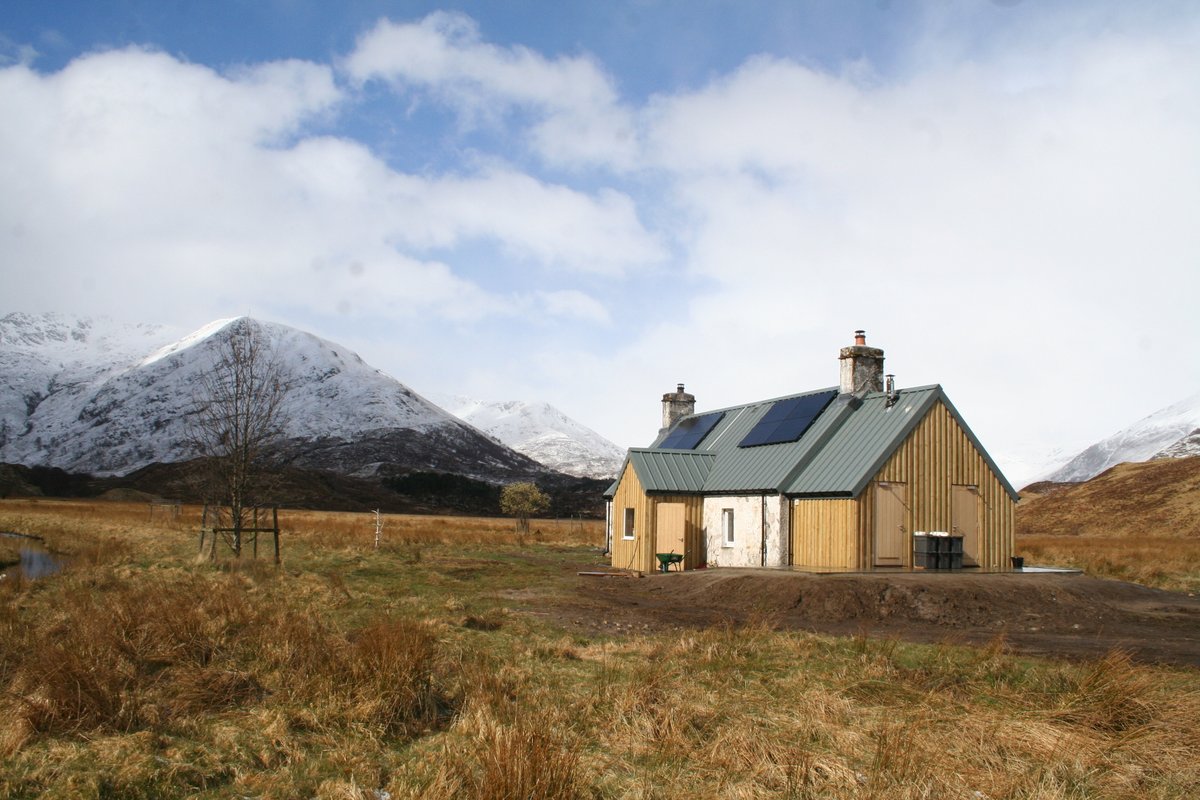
(665, 560)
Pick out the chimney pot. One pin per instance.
(861, 368)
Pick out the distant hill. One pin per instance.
(542, 432)
(1151, 498)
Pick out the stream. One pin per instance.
(36, 561)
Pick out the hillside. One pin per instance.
(1153, 498)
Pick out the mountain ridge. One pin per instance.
(1170, 432)
(89, 395)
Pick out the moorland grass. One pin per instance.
(144, 671)
(1164, 562)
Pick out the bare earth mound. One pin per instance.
(1053, 615)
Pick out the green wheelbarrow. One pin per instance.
(665, 560)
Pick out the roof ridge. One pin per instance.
(727, 409)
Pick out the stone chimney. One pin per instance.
(862, 367)
(676, 405)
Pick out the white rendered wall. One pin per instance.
(749, 514)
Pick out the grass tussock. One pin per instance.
(141, 671)
(142, 656)
(526, 759)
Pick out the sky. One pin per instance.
(587, 203)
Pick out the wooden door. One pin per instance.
(891, 528)
(669, 529)
(964, 521)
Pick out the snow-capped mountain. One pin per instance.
(90, 396)
(50, 358)
(542, 432)
(1171, 432)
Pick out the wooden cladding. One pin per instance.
(936, 464)
(933, 460)
(825, 533)
(639, 552)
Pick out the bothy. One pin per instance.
(836, 478)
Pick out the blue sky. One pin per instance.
(587, 203)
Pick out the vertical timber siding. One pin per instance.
(639, 553)
(938, 454)
(824, 533)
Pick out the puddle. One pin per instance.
(36, 561)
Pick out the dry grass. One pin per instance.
(1163, 562)
(340, 529)
(1135, 522)
(143, 672)
(68, 522)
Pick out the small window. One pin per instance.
(628, 531)
(727, 527)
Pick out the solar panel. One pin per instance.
(787, 420)
(691, 431)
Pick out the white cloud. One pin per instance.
(1016, 221)
(554, 225)
(580, 117)
(1018, 227)
(573, 305)
(132, 179)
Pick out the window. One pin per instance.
(727, 527)
(628, 531)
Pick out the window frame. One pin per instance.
(628, 530)
(728, 531)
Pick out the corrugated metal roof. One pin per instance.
(672, 470)
(843, 450)
(763, 468)
(863, 443)
(869, 437)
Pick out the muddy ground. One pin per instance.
(1055, 615)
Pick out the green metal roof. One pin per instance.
(863, 443)
(682, 471)
(844, 449)
(754, 469)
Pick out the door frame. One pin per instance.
(661, 521)
(896, 494)
(972, 544)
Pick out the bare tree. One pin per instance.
(236, 419)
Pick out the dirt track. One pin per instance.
(1044, 614)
